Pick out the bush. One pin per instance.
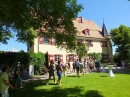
(12, 58)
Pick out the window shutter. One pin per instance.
(61, 58)
(74, 57)
(84, 32)
(67, 58)
(52, 41)
(91, 44)
(82, 41)
(51, 57)
(101, 43)
(86, 42)
(41, 39)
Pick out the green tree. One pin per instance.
(81, 50)
(96, 56)
(51, 18)
(117, 57)
(121, 39)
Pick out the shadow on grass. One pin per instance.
(30, 90)
(126, 71)
(103, 76)
(71, 76)
(118, 71)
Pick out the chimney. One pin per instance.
(81, 19)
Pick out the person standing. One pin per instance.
(59, 72)
(4, 82)
(51, 72)
(97, 65)
(17, 77)
(69, 68)
(77, 67)
(64, 67)
(91, 66)
(85, 66)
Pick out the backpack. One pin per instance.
(76, 63)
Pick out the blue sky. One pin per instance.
(114, 12)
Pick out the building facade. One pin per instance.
(89, 32)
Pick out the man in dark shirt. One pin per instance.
(51, 72)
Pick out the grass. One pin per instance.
(89, 85)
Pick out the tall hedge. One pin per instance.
(12, 58)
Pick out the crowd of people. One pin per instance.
(58, 68)
(62, 68)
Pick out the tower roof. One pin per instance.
(104, 30)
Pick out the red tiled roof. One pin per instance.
(82, 24)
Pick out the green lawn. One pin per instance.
(89, 85)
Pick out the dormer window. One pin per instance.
(86, 32)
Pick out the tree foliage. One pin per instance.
(96, 56)
(51, 18)
(117, 57)
(121, 39)
(81, 50)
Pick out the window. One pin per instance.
(90, 43)
(105, 57)
(46, 40)
(57, 58)
(54, 41)
(87, 33)
(41, 40)
(71, 57)
(79, 41)
(103, 43)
